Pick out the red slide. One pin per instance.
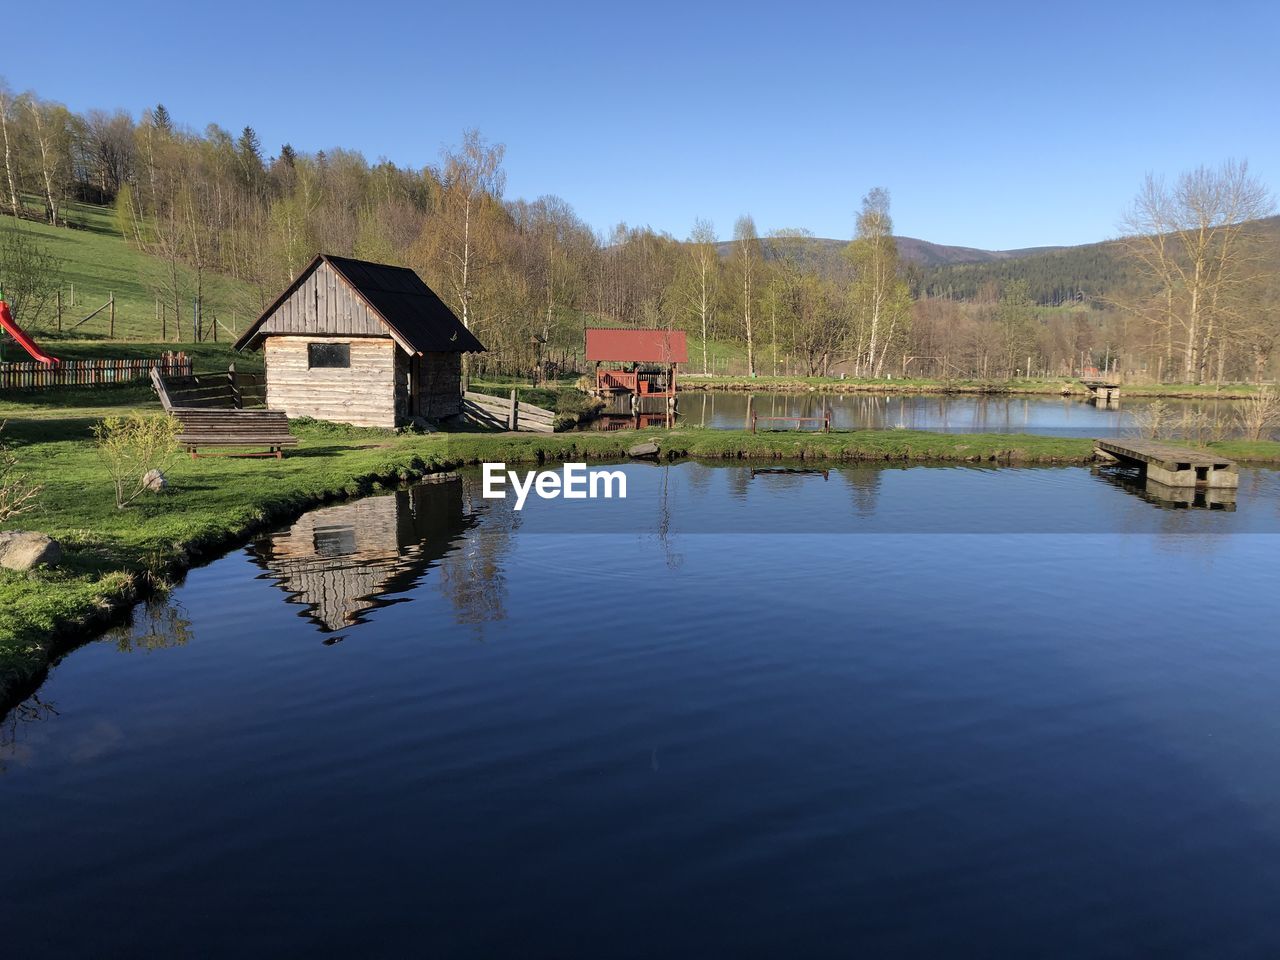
(24, 341)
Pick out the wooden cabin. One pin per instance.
(362, 343)
(635, 370)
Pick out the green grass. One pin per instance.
(98, 262)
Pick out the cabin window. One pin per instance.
(328, 355)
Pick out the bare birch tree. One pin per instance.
(6, 106)
(746, 245)
(471, 176)
(880, 298)
(50, 125)
(1190, 242)
(705, 274)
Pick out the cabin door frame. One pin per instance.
(415, 385)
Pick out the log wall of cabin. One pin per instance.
(363, 394)
(439, 382)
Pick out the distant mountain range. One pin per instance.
(910, 249)
(929, 254)
(1055, 275)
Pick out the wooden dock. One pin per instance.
(1104, 392)
(1171, 465)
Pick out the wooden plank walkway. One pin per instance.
(1172, 465)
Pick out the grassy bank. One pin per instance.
(1057, 387)
(96, 260)
(113, 556)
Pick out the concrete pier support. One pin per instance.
(1170, 465)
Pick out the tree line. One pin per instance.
(1193, 294)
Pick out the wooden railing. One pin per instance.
(644, 384)
(29, 375)
(825, 420)
(509, 414)
(211, 391)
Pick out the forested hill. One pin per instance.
(1053, 277)
(928, 254)
(822, 252)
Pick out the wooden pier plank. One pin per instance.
(1165, 455)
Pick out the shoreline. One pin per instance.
(92, 596)
(698, 383)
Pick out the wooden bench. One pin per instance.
(234, 428)
(206, 426)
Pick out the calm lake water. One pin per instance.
(873, 712)
(952, 413)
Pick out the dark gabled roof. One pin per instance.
(418, 320)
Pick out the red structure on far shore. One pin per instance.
(636, 369)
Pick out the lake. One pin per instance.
(866, 711)
(950, 413)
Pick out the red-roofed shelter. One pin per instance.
(641, 363)
(637, 346)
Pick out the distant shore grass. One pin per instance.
(1043, 387)
(114, 557)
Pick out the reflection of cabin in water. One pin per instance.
(342, 561)
(636, 369)
(362, 343)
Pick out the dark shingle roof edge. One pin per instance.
(418, 320)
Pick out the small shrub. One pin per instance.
(1155, 420)
(1259, 416)
(17, 492)
(132, 446)
(1203, 427)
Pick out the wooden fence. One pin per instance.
(211, 391)
(30, 375)
(510, 414)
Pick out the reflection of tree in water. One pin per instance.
(31, 710)
(739, 482)
(157, 624)
(341, 562)
(472, 577)
(674, 560)
(864, 485)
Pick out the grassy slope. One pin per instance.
(97, 260)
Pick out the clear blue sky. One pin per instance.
(993, 125)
